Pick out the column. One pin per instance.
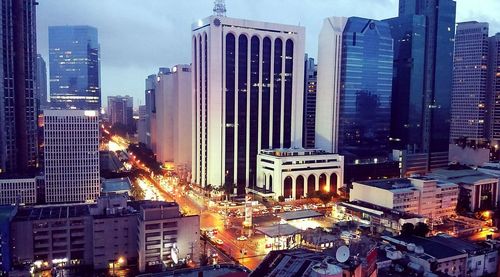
(327, 184)
(316, 182)
(294, 186)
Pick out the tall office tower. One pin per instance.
(423, 36)
(354, 88)
(470, 72)
(74, 68)
(18, 135)
(41, 82)
(310, 85)
(150, 92)
(248, 81)
(71, 155)
(174, 116)
(142, 125)
(493, 86)
(121, 110)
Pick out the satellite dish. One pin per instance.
(174, 253)
(342, 254)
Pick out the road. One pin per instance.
(248, 253)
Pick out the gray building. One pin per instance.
(470, 72)
(121, 110)
(18, 111)
(112, 233)
(41, 82)
(74, 67)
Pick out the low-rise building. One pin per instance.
(22, 190)
(423, 196)
(427, 255)
(165, 237)
(110, 233)
(294, 173)
(445, 255)
(380, 218)
(480, 189)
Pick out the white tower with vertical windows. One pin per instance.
(247, 84)
(71, 155)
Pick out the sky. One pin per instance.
(138, 36)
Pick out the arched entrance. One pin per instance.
(287, 187)
(299, 187)
(322, 183)
(333, 182)
(311, 184)
(270, 188)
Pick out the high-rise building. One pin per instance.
(18, 111)
(142, 125)
(310, 87)
(74, 67)
(248, 81)
(470, 73)
(150, 95)
(41, 82)
(423, 36)
(71, 155)
(493, 86)
(121, 110)
(174, 117)
(354, 88)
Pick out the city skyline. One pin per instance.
(148, 50)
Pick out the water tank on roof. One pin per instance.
(411, 247)
(326, 268)
(419, 250)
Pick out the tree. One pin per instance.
(281, 198)
(407, 229)
(229, 188)
(421, 229)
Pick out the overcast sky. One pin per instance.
(138, 36)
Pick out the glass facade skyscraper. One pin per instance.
(424, 35)
(354, 89)
(74, 67)
(310, 88)
(365, 96)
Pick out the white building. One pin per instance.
(481, 188)
(22, 189)
(71, 155)
(163, 231)
(248, 87)
(424, 196)
(293, 173)
(172, 138)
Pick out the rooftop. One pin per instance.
(278, 230)
(293, 263)
(286, 152)
(302, 214)
(117, 184)
(467, 176)
(388, 184)
(432, 247)
(52, 212)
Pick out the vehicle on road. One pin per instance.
(241, 238)
(219, 241)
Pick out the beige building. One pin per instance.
(295, 172)
(424, 196)
(165, 237)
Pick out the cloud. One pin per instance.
(137, 37)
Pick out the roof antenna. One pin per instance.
(220, 7)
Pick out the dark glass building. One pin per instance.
(18, 109)
(423, 36)
(74, 67)
(365, 94)
(310, 87)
